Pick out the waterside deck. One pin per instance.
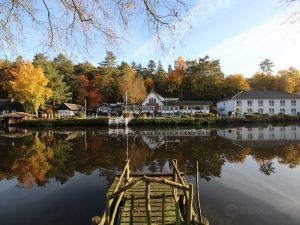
(150, 199)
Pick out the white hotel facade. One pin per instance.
(260, 101)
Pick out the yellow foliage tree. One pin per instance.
(29, 85)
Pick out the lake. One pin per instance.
(249, 175)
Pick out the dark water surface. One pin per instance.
(249, 176)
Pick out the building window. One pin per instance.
(293, 102)
(293, 111)
(282, 111)
(249, 111)
(152, 100)
(271, 128)
(261, 136)
(249, 103)
(238, 103)
(271, 111)
(282, 102)
(271, 102)
(261, 110)
(260, 103)
(250, 136)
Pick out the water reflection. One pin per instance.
(31, 159)
(36, 157)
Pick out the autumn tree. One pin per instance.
(235, 83)
(128, 82)
(29, 86)
(288, 80)
(263, 81)
(149, 84)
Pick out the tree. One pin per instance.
(289, 80)
(206, 78)
(266, 66)
(60, 90)
(72, 23)
(128, 82)
(263, 81)
(149, 84)
(151, 67)
(235, 83)
(109, 60)
(29, 86)
(65, 67)
(5, 77)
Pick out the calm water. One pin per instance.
(249, 176)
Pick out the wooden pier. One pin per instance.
(150, 199)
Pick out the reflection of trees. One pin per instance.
(31, 164)
(266, 167)
(37, 158)
(290, 156)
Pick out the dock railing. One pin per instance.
(116, 196)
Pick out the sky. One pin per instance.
(240, 33)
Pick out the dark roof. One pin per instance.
(74, 107)
(265, 94)
(179, 103)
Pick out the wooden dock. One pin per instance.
(150, 199)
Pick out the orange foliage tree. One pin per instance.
(29, 86)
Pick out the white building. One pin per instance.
(156, 103)
(260, 101)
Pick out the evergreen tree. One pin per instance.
(65, 68)
(151, 67)
(109, 60)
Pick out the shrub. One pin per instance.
(203, 115)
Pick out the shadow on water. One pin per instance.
(60, 177)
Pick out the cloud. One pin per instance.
(274, 39)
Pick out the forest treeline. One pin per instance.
(59, 80)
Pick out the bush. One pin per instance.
(80, 114)
(203, 115)
(64, 122)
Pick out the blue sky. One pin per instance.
(240, 33)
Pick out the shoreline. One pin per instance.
(172, 121)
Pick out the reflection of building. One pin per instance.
(156, 138)
(269, 133)
(261, 101)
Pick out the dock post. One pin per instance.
(198, 195)
(175, 176)
(163, 209)
(190, 204)
(107, 221)
(177, 213)
(131, 209)
(148, 208)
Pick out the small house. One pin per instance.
(69, 109)
(14, 118)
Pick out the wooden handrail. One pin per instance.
(126, 169)
(117, 205)
(167, 182)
